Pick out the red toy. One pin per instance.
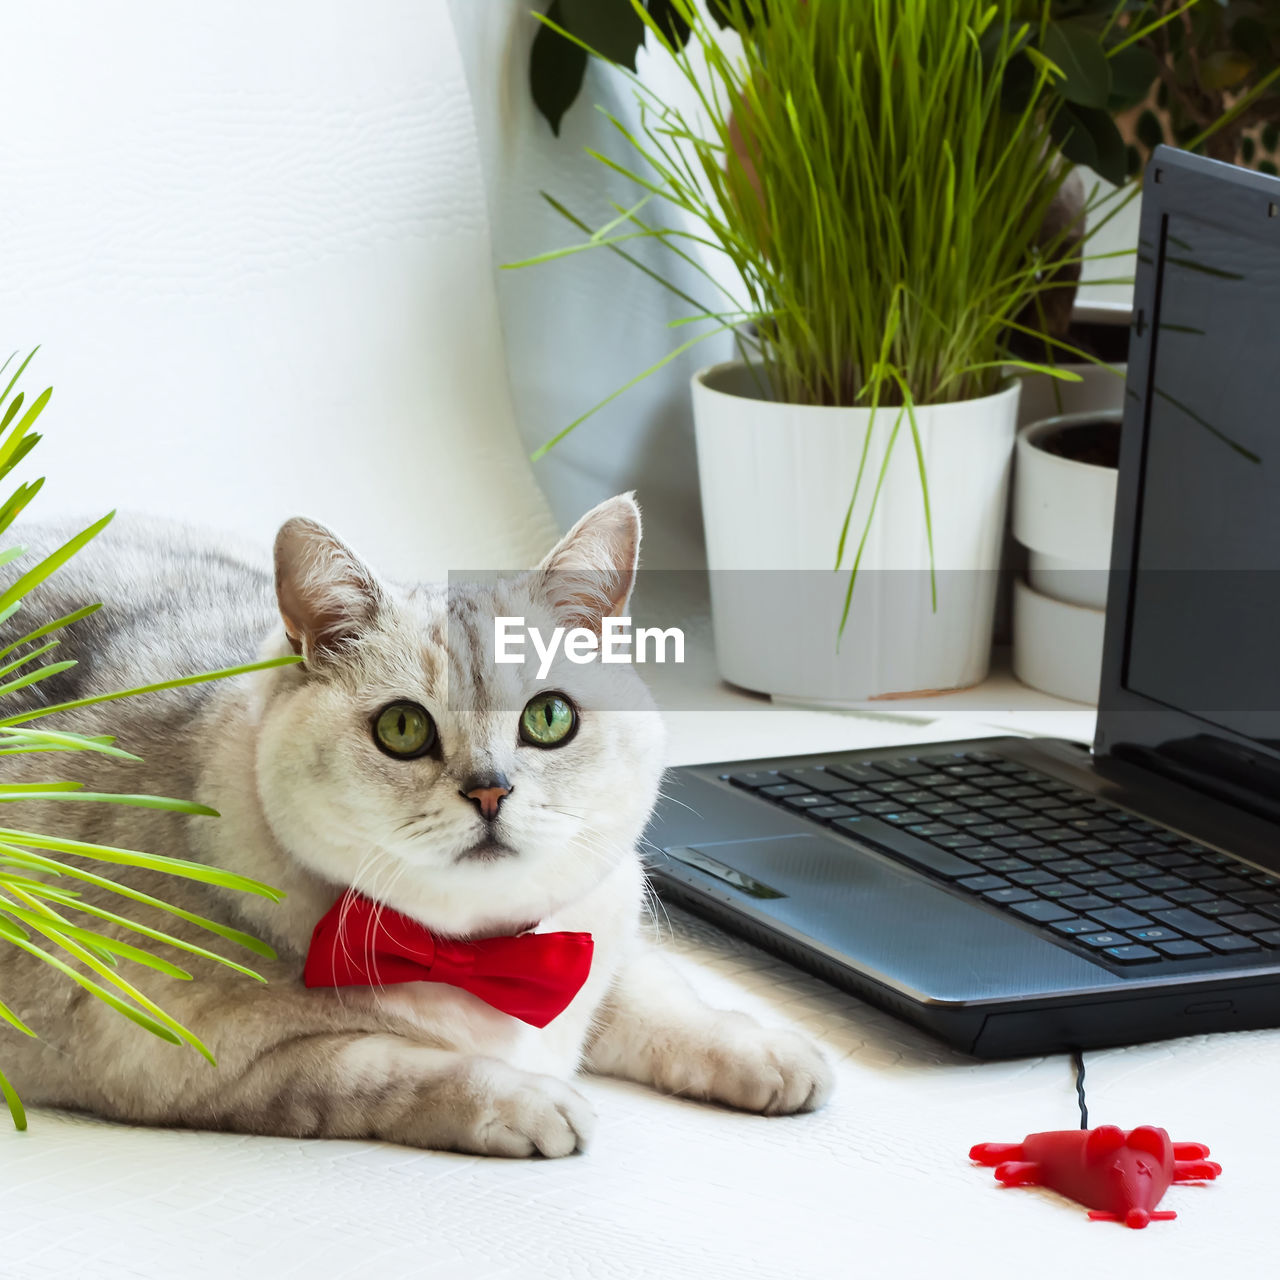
(1118, 1176)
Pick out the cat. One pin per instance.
(312, 803)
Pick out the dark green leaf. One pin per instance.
(556, 70)
(1018, 84)
(1149, 130)
(1133, 72)
(1249, 36)
(670, 21)
(1271, 135)
(1265, 166)
(611, 27)
(1248, 150)
(1091, 138)
(1077, 52)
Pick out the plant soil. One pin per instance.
(1097, 443)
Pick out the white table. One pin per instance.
(876, 1185)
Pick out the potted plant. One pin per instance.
(886, 180)
(84, 937)
(1064, 501)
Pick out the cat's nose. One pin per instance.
(486, 792)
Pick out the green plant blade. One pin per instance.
(163, 803)
(159, 686)
(16, 1110)
(55, 560)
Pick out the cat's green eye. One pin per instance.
(404, 730)
(548, 720)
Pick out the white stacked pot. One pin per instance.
(776, 481)
(1063, 514)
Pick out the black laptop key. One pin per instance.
(1248, 922)
(1006, 864)
(1109, 858)
(859, 795)
(896, 786)
(1217, 907)
(1140, 848)
(1199, 873)
(1133, 953)
(957, 841)
(1154, 933)
(828, 812)
(1095, 879)
(1158, 884)
(1040, 911)
(1099, 940)
(969, 818)
(967, 770)
(989, 830)
(981, 884)
(1269, 939)
(1073, 926)
(1190, 922)
(1006, 897)
(902, 768)
(1067, 814)
(958, 790)
(983, 757)
(1085, 902)
(1007, 813)
(1036, 878)
(1254, 897)
(912, 796)
(1134, 871)
(1182, 949)
(1121, 890)
(1017, 843)
(807, 800)
(1069, 867)
(1059, 892)
(1032, 823)
(881, 806)
(906, 847)
(1036, 803)
(1120, 918)
(781, 790)
(1085, 845)
(903, 817)
(1095, 824)
(816, 779)
(932, 829)
(753, 779)
(1225, 884)
(1170, 860)
(1228, 943)
(1188, 896)
(856, 771)
(940, 758)
(1152, 902)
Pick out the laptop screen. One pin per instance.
(1202, 641)
(1204, 631)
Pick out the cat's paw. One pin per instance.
(517, 1113)
(752, 1068)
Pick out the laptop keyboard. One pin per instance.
(1093, 875)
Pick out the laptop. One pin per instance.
(1024, 896)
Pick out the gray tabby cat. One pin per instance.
(312, 804)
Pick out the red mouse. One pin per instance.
(1118, 1176)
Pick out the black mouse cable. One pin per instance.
(1077, 1057)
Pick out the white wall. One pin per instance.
(579, 328)
(253, 241)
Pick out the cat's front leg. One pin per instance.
(308, 1065)
(655, 1030)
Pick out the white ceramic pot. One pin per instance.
(1063, 514)
(776, 481)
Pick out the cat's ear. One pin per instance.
(590, 572)
(326, 593)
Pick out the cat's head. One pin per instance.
(400, 759)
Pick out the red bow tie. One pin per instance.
(532, 976)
